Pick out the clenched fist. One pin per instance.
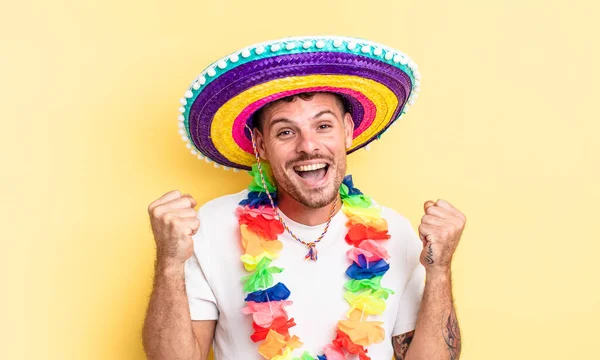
(173, 221)
(440, 230)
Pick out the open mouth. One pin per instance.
(312, 173)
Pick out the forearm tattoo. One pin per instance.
(429, 256)
(400, 344)
(451, 333)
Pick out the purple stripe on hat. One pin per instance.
(235, 81)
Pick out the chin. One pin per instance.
(317, 199)
(312, 193)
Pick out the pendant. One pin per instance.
(312, 252)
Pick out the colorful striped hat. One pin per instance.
(377, 83)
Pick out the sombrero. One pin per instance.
(377, 83)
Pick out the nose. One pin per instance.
(307, 143)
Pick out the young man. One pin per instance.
(302, 264)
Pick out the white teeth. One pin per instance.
(310, 167)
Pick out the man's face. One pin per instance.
(305, 142)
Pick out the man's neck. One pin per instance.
(303, 214)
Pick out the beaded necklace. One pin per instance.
(260, 226)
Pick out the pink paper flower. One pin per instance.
(353, 253)
(373, 247)
(263, 314)
(333, 353)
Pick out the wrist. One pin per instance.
(438, 273)
(168, 266)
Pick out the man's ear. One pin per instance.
(260, 144)
(348, 129)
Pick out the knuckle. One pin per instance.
(175, 221)
(156, 212)
(168, 218)
(457, 223)
(183, 201)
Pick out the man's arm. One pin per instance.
(168, 331)
(437, 334)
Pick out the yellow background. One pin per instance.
(505, 128)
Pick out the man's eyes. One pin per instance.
(283, 133)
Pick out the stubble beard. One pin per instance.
(313, 198)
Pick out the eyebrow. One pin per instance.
(285, 120)
(320, 113)
(279, 120)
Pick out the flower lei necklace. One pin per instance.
(260, 227)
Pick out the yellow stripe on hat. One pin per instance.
(221, 128)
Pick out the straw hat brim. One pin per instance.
(377, 83)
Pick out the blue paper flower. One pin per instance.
(367, 270)
(274, 293)
(350, 185)
(256, 199)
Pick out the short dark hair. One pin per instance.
(258, 118)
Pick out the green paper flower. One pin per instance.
(361, 201)
(256, 185)
(383, 293)
(262, 276)
(379, 294)
(344, 191)
(355, 285)
(305, 356)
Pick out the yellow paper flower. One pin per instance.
(275, 344)
(366, 216)
(250, 261)
(367, 301)
(363, 332)
(287, 355)
(294, 342)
